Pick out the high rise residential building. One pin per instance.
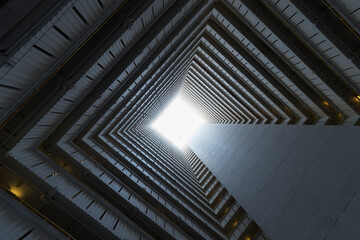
(277, 82)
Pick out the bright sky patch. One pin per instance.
(178, 122)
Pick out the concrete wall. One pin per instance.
(297, 182)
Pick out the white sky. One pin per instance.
(178, 122)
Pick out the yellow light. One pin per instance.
(326, 103)
(17, 192)
(247, 238)
(235, 223)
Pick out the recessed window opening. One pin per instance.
(178, 122)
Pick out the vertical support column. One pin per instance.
(297, 182)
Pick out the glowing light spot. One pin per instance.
(17, 191)
(178, 122)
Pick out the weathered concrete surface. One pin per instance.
(297, 182)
